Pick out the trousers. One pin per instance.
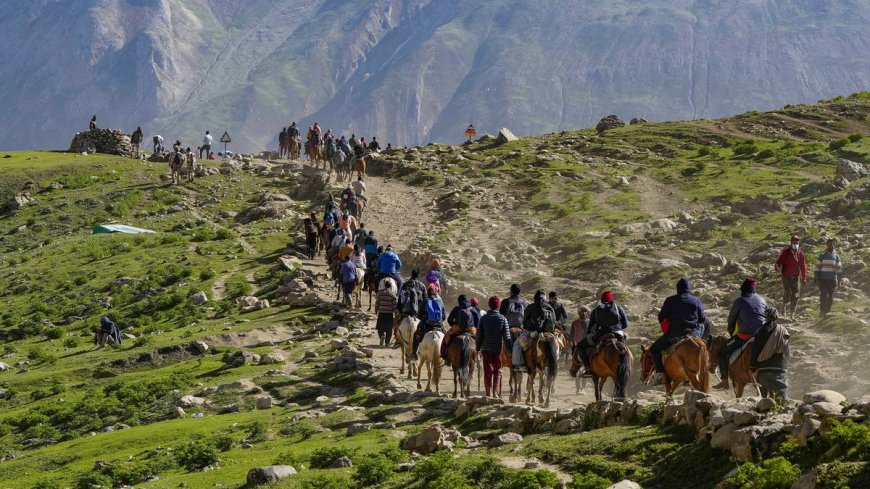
(517, 358)
(790, 288)
(491, 371)
(773, 382)
(724, 354)
(826, 295)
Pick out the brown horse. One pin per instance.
(514, 376)
(738, 372)
(462, 356)
(613, 360)
(294, 147)
(359, 167)
(686, 361)
(542, 358)
(316, 155)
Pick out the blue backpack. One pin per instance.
(433, 310)
(329, 218)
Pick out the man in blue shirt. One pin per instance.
(389, 264)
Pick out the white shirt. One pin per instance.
(359, 187)
(207, 140)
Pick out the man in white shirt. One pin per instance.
(206, 145)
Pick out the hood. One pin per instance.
(540, 297)
(683, 286)
(463, 302)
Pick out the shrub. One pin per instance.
(236, 287)
(431, 468)
(257, 432)
(224, 233)
(54, 333)
(38, 355)
(853, 439)
(304, 429)
(143, 340)
(838, 144)
(765, 153)
(745, 149)
(206, 274)
(71, 342)
(539, 479)
(705, 151)
(373, 470)
(166, 197)
(843, 475)
(589, 480)
(47, 484)
(774, 473)
(197, 455)
(93, 480)
(322, 458)
(327, 481)
(855, 137)
(223, 443)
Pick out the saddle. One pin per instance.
(604, 340)
(736, 354)
(677, 341)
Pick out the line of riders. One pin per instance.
(340, 153)
(531, 336)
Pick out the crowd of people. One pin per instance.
(337, 148)
(681, 315)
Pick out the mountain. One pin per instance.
(411, 71)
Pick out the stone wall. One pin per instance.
(106, 141)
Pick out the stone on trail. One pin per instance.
(358, 428)
(264, 402)
(272, 358)
(201, 346)
(823, 396)
(851, 170)
(266, 475)
(505, 135)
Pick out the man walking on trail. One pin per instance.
(829, 273)
(681, 314)
(747, 316)
(389, 264)
(433, 318)
(492, 333)
(206, 144)
(348, 279)
(514, 309)
(792, 262)
(386, 308)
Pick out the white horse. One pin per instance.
(405, 336)
(429, 352)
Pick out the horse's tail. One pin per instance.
(623, 371)
(552, 358)
(464, 361)
(703, 365)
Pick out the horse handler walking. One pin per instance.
(492, 333)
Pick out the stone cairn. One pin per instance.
(106, 141)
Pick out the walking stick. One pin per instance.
(477, 361)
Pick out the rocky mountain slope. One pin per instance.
(235, 357)
(410, 71)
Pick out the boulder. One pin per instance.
(505, 135)
(200, 346)
(272, 358)
(106, 141)
(823, 396)
(20, 200)
(851, 170)
(637, 120)
(607, 123)
(504, 439)
(188, 401)
(723, 438)
(198, 298)
(342, 462)
(264, 402)
(707, 260)
(356, 428)
(4, 367)
(433, 438)
(827, 409)
(765, 404)
(625, 484)
(266, 475)
(248, 301)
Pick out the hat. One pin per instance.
(474, 301)
(607, 296)
(795, 237)
(494, 302)
(748, 285)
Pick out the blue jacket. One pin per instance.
(371, 245)
(493, 332)
(684, 311)
(348, 272)
(747, 315)
(388, 262)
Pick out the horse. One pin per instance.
(542, 357)
(356, 293)
(405, 335)
(316, 154)
(514, 377)
(687, 361)
(613, 360)
(738, 371)
(339, 163)
(462, 355)
(359, 167)
(294, 147)
(429, 352)
(376, 283)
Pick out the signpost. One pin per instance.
(470, 132)
(226, 139)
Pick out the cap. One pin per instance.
(795, 237)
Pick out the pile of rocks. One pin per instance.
(106, 141)
(609, 122)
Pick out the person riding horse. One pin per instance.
(463, 318)
(538, 317)
(744, 321)
(433, 318)
(680, 315)
(607, 319)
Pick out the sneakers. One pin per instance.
(722, 385)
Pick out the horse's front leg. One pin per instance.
(530, 388)
(455, 382)
(541, 384)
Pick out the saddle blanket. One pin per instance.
(734, 356)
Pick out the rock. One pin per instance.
(3, 367)
(827, 409)
(505, 135)
(746, 418)
(358, 428)
(564, 426)
(263, 304)
(765, 404)
(723, 438)
(248, 301)
(707, 260)
(809, 481)
(504, 439)
(188, 401)
(607, 123)
(810, 424)
(272, 358)
(106, 141)
(533, 464)
(637, 120)
(823, 396)
(435, 437)
(269, 474)
(341, 331)
(200, 346)
(198, 298)
(264, 402)
(342, 462)
(179, 412)
(310, 354)
(230, 408)
(625, 484)
(623, 181)
(851, 170)
(19, 201)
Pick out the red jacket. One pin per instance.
(793, 263)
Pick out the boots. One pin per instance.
(724, 385)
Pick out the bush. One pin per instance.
(373, 470)
(844, 475)
(774, 473)
(54, 333)
(705, 151)
(207, 274)
(765, 153)
(432, 467)
(223, 443)
(143, 340)
(327, 481)
(224, 233)
(92, 480)
(197, 455)
(47, 484)
(257, 432)
(855, 137)
(71, 342)
(322, 458)
(304, 429)
(38, 355)
(236, 287)
(853, 439)
(539, 479)
(589, 480)
(838, 144)
(745, 149)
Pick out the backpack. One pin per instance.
(409, 301)
(465, 318)
(176, 159)
(515, 312)
(548, 322)
(329, 218)
(433, 310)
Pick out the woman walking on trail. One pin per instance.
(385, 308)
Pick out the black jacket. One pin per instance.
(777, 361)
